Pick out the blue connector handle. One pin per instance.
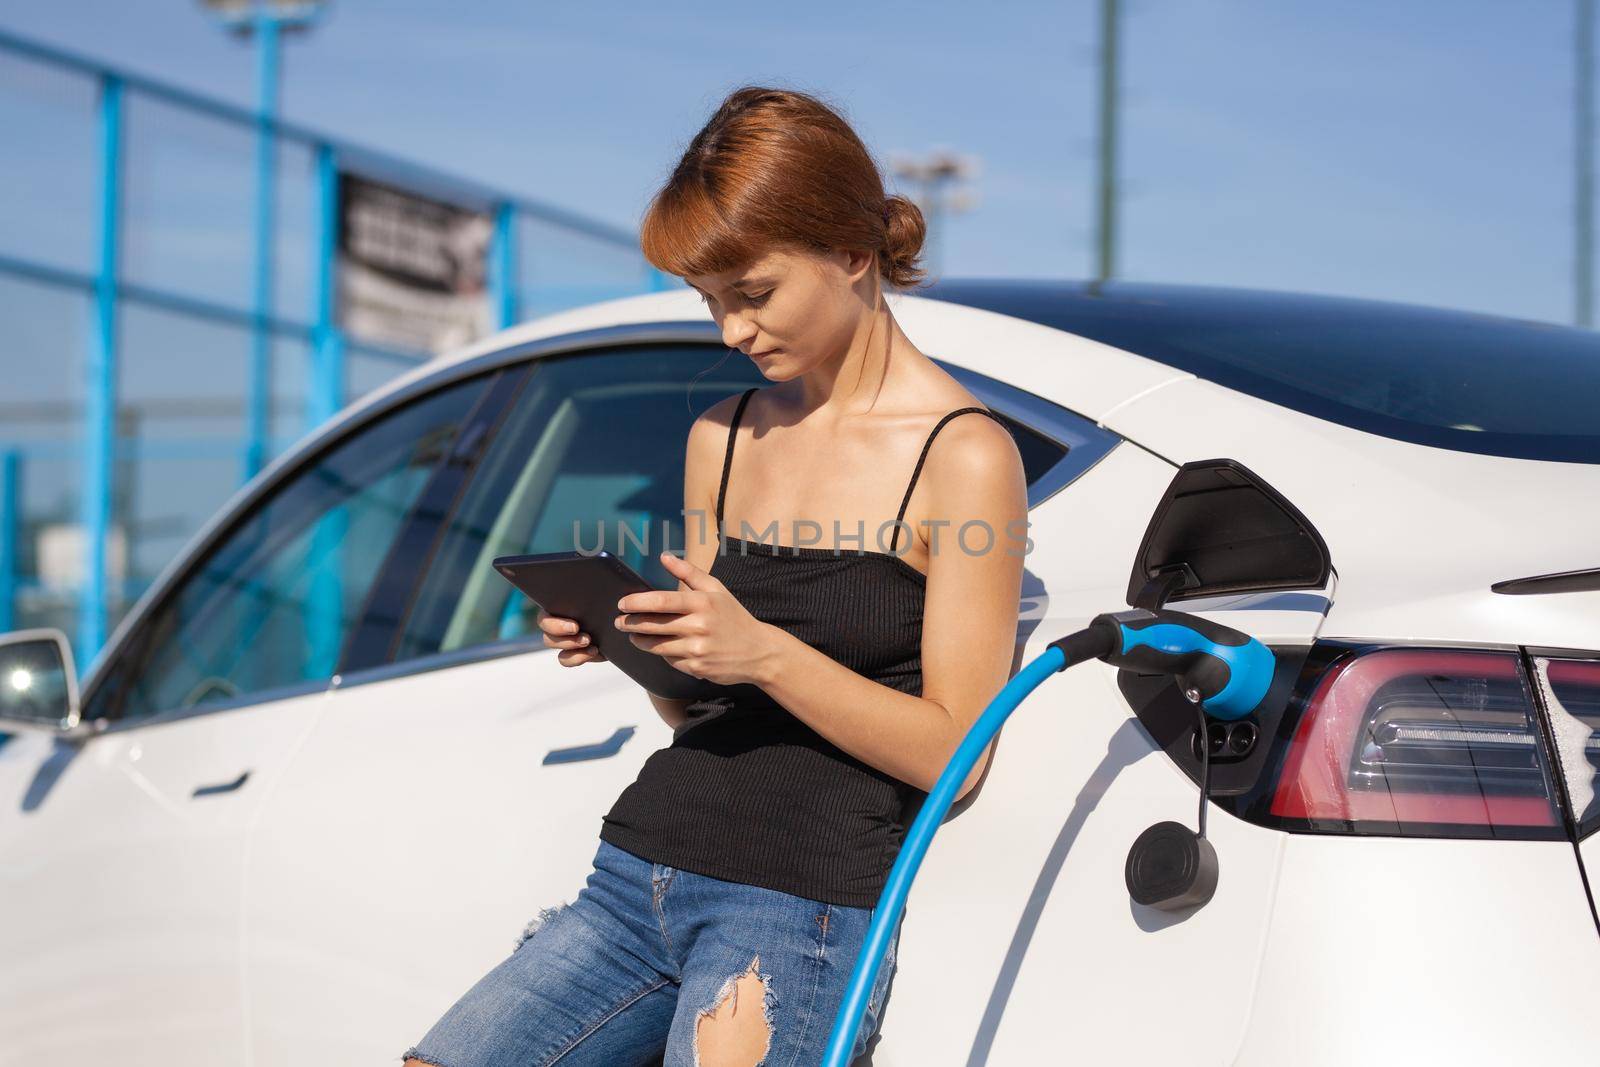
(1229, 671)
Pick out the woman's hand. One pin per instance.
(703, 631)
(575, 645)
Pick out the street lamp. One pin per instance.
(266, 21)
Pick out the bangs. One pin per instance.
(684, 233)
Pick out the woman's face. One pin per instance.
(789, 311)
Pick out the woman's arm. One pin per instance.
(702, 471)
(973, 473)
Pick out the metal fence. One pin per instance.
(154, 356)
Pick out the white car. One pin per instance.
(325, 772)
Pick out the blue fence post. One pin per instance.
(10, 526)
(325, 599)
(100, 386)
(503, 280)
(259, 383)
(326, 394)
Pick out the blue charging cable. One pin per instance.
(1226, 672)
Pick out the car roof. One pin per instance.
(1078, 305)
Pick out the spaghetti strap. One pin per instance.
(895, 540)
(727, 460)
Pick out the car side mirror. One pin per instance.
(38, 682)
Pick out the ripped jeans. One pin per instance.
(622, 975)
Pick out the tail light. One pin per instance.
(1408, 741)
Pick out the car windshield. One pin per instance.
(1451, 379)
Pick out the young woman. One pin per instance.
(736, 878)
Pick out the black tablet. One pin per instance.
(586, 588)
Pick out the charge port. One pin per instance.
(1226, 740)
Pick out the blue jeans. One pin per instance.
(620, 976)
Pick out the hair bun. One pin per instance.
(905, 230)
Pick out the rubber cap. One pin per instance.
(1171, 867)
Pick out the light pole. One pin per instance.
(265, 21)
(933, 175)
(1106, 200)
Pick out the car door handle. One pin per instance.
(599, 750)
(222, 787)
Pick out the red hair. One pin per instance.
(778, 168)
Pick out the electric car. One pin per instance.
(324, 771)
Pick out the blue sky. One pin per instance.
(1417, 151)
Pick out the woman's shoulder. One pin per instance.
(716, 420)
(973, 444)
(708, 434)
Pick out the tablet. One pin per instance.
(587, 588)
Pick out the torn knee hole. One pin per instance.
(733, 1039)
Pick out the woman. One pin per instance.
(736, 877)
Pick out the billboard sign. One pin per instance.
(413, 271)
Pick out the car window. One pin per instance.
(597, 440)
(593, 441)
(271, 604)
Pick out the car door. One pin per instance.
(125, 855)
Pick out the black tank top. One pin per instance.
(749, 793)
